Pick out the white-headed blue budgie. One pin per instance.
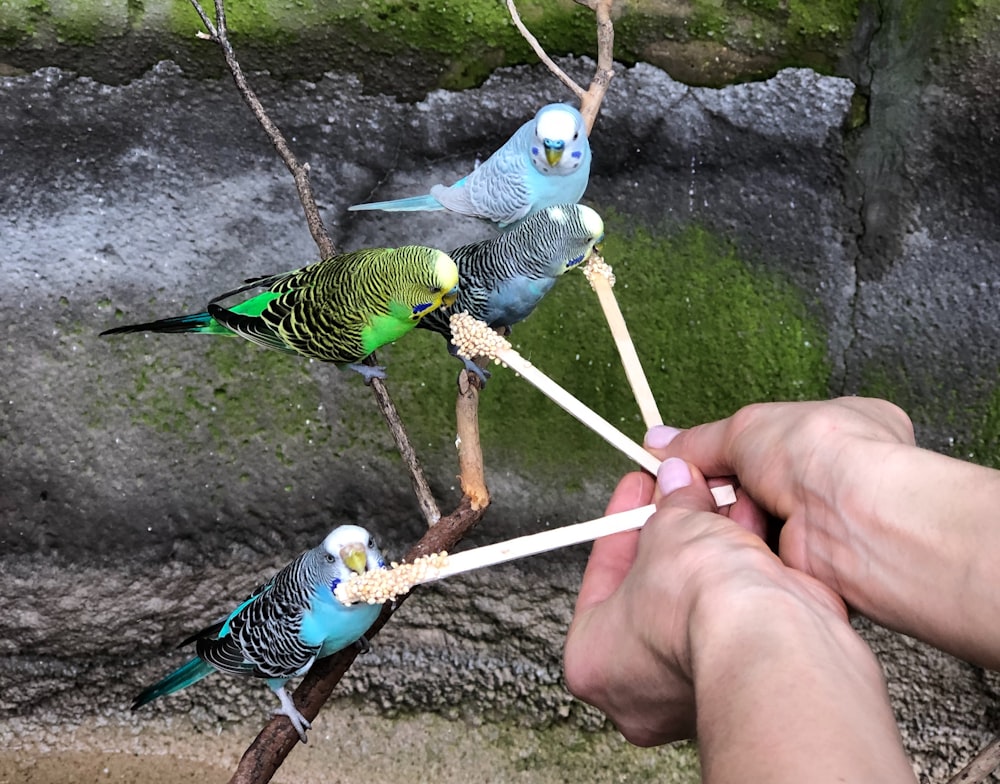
(502, 280)
(546, 162)
(286, 624)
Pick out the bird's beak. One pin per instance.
(553, 154)
(449, 299)
(355, 557)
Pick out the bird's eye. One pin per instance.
(371, 542)
(576, 136)
(330, 558)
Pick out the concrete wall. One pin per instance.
(796, 237)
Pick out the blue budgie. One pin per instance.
(286, 624)
(546, 162)
(502, 280)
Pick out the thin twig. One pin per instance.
(300, 172)
(981, 766)
(276, 740)
(533, 42)
(425, 498)
(592, 98)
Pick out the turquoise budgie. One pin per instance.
(286, 624)
(502, 280)
(338, 310)
(546, 162)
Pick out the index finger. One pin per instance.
(706, 446)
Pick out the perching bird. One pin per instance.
(338, 310)
(502, 280)
(546, 162)
(286, 624)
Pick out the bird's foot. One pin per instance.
(482, 373)
(363, 645)
(288, 709)
(368, 372)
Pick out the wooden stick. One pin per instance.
(602, 280)
(533, 544)
(473, 339)
(578, 409)
(386, 585)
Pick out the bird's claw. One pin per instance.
(481, 373)
(368, 372)
(289, 711)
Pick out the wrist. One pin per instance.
(913, 546)
(777, 670)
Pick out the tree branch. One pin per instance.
(533, 42)
(425, 498)
(981, 766)
(590, 99)
(300, 172)
(470, 454)
(273, 744)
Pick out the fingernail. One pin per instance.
(673, 475)
(659, 437)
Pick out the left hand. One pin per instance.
(653, 600)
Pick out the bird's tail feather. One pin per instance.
(184, 676)
(411, 204)
(195, 322)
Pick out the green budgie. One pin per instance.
(337, 310)
(502, 280)
(286, 624)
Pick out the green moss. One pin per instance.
(468, 37)
(457, 43)
(228, 396)
(21, 19)
(984, 447)
(712, 334)
(971, 410)
(972, 20)
(86, 22)
(596, 756)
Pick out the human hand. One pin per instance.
(652, 602)
(817, 466)
(906, 536)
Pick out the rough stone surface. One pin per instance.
(148, 482)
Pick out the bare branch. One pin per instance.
(428, 506)
(533, 42)
(300, 172)
(591, 105)
(591, 99)
(209, 25)
(981, 766)
(470, 453)
(265, 755)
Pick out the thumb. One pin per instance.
(680, 485)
